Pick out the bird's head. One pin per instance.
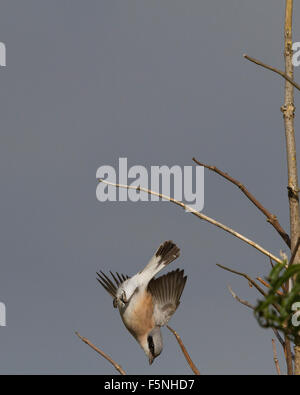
(152, 344)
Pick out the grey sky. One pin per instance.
(158, 82)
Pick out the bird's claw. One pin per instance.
(124, 298)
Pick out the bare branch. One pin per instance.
(294, 253)
(199, 215)
(185, 353)
(288, 110)
(275, 357)
(279, 338)
(245, 276)
(271, 218)
(285, 344)
(244, 302)
(107, 357)
(267, 285)
(247, 304)
(277, 71)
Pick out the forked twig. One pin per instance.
(242, 301)
(184, 351)
(277, 71)
(251, 281)
(197, 214)
(272, 219)
(107, 357)
(246, 303)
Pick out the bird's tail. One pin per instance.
(166, 253)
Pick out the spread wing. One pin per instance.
(110, 286)
(166, 292)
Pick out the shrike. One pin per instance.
(146, 303)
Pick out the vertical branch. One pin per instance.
(288, 356)
(297, 359)
(275, 357)
(289, 114)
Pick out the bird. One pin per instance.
(147, 303)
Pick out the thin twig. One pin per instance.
(294, 252)
(247, 304)
(197, 214)
(107, 357)
(276, 358)
(185, 353)
(267, 285)
(281, 73)
(288, 110)
(251, 281)
(271, 218)
(285, 343)
(244, 302)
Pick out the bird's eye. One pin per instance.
(115, 303)
(151, 344)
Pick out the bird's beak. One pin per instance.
(151, 359)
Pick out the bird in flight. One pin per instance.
(147, 303)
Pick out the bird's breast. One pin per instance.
(138, 315)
